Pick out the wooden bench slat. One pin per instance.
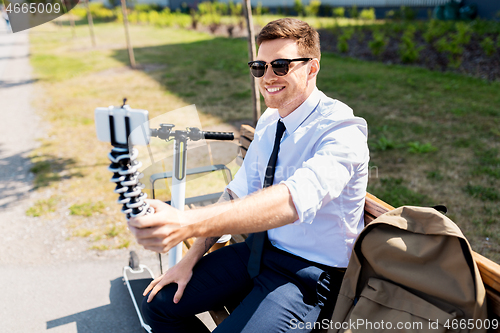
(489, 270)
(237, 238)
(243, 151)
(219, 315)
(244, 142)
(247, 131)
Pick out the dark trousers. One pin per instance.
(281, 299)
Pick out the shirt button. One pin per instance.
(273, 242)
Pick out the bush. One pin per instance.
(368, 14)
(402, 13)
(437, 29)
(338, 12)
(353, 12)
(453, 45)
(79, 11)
(488, 46)
(298, 7)
(342, 44)
(99, 12)
(313, 8)
(408, 50)
(142, 7)
(235, 9)
(379, 42)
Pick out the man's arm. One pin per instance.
(202, 244)
(182, 272)
(269, 208)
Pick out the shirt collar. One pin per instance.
(294, 119)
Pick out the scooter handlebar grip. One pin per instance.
(218, 135)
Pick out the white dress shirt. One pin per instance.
(323, 160)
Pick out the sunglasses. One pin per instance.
(280, 66)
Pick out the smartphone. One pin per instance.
(138, 121)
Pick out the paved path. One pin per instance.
(47, 283)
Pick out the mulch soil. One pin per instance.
(474, 61)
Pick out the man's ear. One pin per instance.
(314, 68)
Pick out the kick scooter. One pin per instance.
(124, 127)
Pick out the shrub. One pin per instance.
(408, 50)
(464, 33)
(342, 44)
(379, 42)
(313, 8)
(235, 9)
(338, 12)
(454, 45)
(79, 11)
(368, 14)
(298, 7)
(142, 7)
(99, 12)
(488, 46)
(353, 12)
(436, 29)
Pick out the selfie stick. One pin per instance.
(178, 192)
(125, 166)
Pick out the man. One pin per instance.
(289, 276)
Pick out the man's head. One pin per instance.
(303, 34)
(286, 85)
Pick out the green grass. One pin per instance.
(87, 208)
(434, 137)
(394, 190)
(43, 207)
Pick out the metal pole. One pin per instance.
(129, 45)
(178, 192)
(91, 23)
(252, 54)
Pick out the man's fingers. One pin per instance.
(156, 204)
(179, 292)
(154, 232)
(156, 289)
(151, 285)
(146, 221)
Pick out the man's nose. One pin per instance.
(269, 74)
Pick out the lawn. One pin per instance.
(434, 137)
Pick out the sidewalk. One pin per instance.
(47, 282)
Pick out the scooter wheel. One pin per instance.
(133, 260)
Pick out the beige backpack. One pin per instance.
(411, 270)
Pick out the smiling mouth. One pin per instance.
(273, 90)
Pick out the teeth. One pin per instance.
(274, 89)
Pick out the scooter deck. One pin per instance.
(137, 280)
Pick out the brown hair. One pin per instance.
(306, 37)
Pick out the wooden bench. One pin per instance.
(374, 207)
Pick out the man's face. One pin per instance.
(288, 92)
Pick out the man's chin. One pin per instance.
(272, 104)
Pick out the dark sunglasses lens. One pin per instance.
(258, 68)
(280, 67)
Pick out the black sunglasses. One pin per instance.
(280, 66)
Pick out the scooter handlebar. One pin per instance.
(218, 135)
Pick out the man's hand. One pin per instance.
(180, 274)
(160, 231)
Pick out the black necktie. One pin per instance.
(259, 237)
